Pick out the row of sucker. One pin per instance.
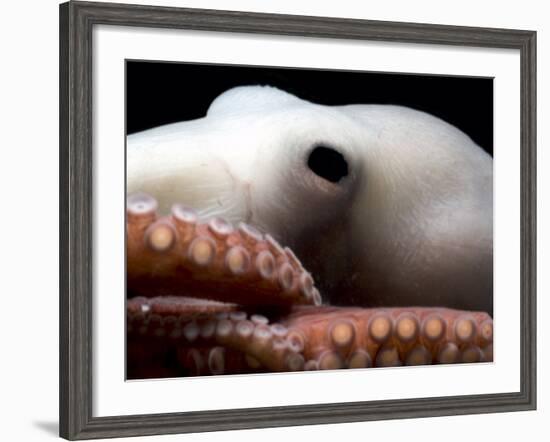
(219, 330)
(333, 338)
(182, 255)
(217, 338)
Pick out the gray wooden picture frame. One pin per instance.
(77, 20)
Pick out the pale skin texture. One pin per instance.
(409, 224)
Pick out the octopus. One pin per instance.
(278, 235)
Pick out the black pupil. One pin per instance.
(328, 164)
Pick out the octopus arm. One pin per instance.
(180, 255)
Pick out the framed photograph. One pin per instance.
(272, 220)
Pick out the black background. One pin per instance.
(160, 93)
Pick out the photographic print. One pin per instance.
(283, 219)
(271, 220)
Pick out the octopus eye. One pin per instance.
(328, 163)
